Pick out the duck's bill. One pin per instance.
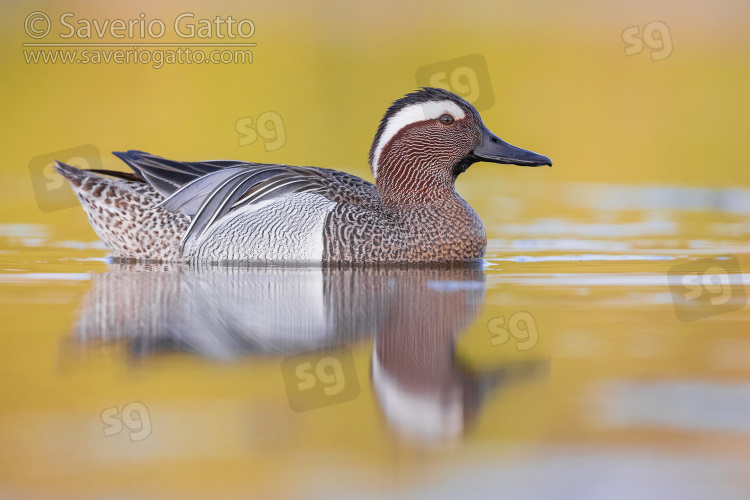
(495, 150)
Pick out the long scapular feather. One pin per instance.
(216, 204)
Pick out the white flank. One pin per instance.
(413, 114)
(284, 229)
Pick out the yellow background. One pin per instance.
(563, 87)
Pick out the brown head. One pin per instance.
(426, 139)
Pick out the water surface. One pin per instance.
(597, 351)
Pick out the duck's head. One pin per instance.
(426, 139)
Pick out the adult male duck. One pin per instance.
(238, 211)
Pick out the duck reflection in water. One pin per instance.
(228, 312)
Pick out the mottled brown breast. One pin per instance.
(444, 231)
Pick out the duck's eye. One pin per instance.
(446, 119)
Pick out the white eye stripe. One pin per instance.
(413, 114)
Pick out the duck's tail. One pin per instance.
(124, 214)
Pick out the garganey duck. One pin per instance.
(239, 211)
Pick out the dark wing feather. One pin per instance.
(167, 176)
(128, 176)
(190, 197)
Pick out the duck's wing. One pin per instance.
(206, 191)
(167, 176)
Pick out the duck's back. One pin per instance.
(215, 211)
